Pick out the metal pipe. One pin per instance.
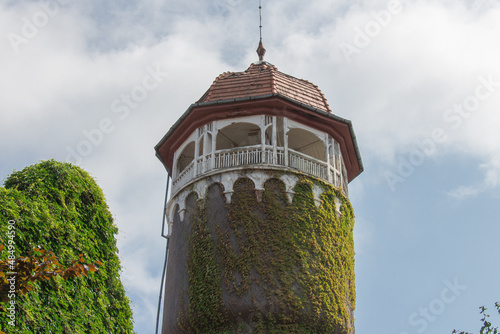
(164, 272)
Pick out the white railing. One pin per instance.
(203, 165)
(238, 157)
(186, 175)
(308, 165)
(269, 156)
(280, 157)
(254, 155)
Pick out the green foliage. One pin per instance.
(59, 207)
(204, 292)
(39, 265)
(487, 327)
(297, 257)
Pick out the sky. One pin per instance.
(98, 83)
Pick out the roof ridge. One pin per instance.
(259, 70)
(274, 69)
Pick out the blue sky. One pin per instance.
(420, 80)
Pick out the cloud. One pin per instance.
(62, 83)
(491, 180)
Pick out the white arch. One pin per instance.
(306, 142)
(238, 134)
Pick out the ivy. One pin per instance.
(271, 266)
(58, 207)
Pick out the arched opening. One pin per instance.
(305, 142)
(185, 158)
(238, 135)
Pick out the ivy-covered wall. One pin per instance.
(262, 266)
(59, 207)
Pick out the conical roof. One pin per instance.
(263, 79)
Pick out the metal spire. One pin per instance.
(261, 51)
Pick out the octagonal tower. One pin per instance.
(260, 224)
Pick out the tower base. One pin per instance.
(262, 264)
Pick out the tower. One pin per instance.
(260, 224)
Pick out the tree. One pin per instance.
(487, 327)
(58, 207)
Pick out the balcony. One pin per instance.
(256, 155)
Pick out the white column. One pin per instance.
(263, 138)
(214, 142)
(205, 153)
(275, 142)
(196, 147)
(328, 142)
(174, 166)
(285, 130)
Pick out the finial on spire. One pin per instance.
(261, 51)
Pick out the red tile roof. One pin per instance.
(261, 79)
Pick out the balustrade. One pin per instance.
(254, 155)
(186, 175)
(238, 157)
(308, 165)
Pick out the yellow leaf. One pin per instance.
(1, 249)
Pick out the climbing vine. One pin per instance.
(205, 296)
(270, 266)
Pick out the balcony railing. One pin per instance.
(184, 177)
(256, 155)
(308, 164)
(238, 157)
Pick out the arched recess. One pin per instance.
(185, 158)
(305, 142)
(276, 188)
(238, 135)
(244, 184)
(173, 216)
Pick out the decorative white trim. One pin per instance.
(227, 179)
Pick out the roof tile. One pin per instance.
(263, 78)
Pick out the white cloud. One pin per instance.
(395, 90)
(491, 180)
